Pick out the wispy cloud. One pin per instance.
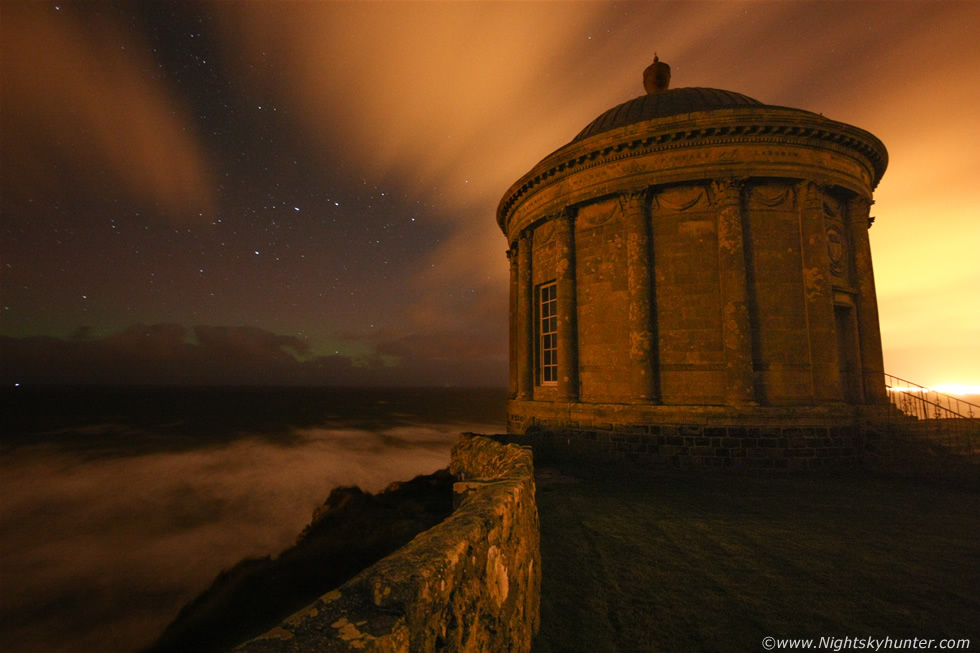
(85, 98)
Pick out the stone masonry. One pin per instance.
(471, 583)
(707, 250)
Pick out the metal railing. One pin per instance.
(926, 403)
(944, 419)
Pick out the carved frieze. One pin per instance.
(683, 198)
(774, 139)
(596, 215)
(543, 233)
(772, 196)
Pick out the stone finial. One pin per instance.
(656, 77)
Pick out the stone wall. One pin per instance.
(718, 256)
(603, 302)
(472, 583)
(759, 439)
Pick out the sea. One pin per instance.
(120, 505)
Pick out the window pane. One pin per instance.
(548, 333)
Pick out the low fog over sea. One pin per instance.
(121, 505)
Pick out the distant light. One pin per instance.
(296, 208)
(17, 385)
(957, 389)
(946, 389)
(256, 252)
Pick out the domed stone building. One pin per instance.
(691, 281)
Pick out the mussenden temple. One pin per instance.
(691, 283)
(691, 287)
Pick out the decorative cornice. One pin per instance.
(827, 133)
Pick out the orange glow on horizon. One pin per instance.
(954, 389)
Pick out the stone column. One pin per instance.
(869, 333)
(512, 322)
(735, 320)
(525, 321)
(567, 307)
(643, 373)
(819, 296)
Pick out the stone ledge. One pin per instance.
(472, 583)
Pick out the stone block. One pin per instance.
(470, 583)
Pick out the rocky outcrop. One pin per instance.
(471, 583)
(350, 531)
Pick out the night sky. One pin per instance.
(306, 192)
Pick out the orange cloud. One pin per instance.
(83, 94)
(453, 102)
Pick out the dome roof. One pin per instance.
(676, 136)
(662, 104)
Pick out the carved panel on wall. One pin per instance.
(684, 198)
(836, 250)
(772, 196)
(543, 233)
(595, 215)
(832, 207)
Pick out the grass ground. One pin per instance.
(712, 563)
